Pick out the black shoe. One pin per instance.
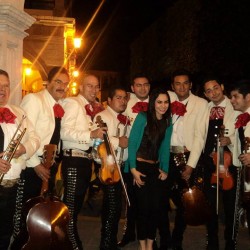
(125, 240)
(230, 245)
(177, 248)
(212, 246)
(155, 247)
(165, 247)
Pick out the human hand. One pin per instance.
(123, 141)
(20, 151)
(186, 173)
(98, 133)
(137, 177)
(224, 141)
(42, 172)
(245, 159)
(163, 175)
(4, 165)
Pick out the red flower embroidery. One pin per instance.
(93, 109)
(123, 119)
(7, 116)
(242, 120)
(140, 106)
(58, 111)
(178, 108)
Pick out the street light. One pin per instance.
(77, 42)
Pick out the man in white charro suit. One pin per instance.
(77, 134)
(187, 110)
(45, 112)
(10, 118)
(219, 120)
(118, 131)
(240, 99)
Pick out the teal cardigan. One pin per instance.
(134, 143)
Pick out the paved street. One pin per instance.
(194, 239)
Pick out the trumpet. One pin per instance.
(13, 145)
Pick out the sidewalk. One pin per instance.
(194, 237)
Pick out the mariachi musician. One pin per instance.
(187, 110)
(240, 99)
(45, 112)
(77, 134)
(118, 130)
(10, 119)
(220, 114)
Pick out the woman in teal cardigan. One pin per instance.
(148, 160)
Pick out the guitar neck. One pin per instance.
(45, 188)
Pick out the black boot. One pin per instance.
(125, 240)
(230, 245)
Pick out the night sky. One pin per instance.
(118, 23)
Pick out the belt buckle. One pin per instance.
(177, 149)
(89, 156)
(9, 183)
(68, 152)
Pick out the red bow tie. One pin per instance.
(242, 120)
(123, 119)
(178, 108)
(6, 116)
(93, 109)
(58, 111)
(217, 113)
(139, 107)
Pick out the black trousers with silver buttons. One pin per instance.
(76, 172)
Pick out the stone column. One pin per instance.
(13, 23)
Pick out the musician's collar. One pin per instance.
(247, 110)
(112, 111)
(146, 100)
(184, 101)
(222, 104)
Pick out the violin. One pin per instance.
(222, 160)
(109, 172)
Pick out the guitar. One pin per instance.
(46, 216)
(196, 208)
(246, 178)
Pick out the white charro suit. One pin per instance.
(30, 141)
(76, 124)
(192, 120)
(228, 121)
(39, 109)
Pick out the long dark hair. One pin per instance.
(156, 128)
